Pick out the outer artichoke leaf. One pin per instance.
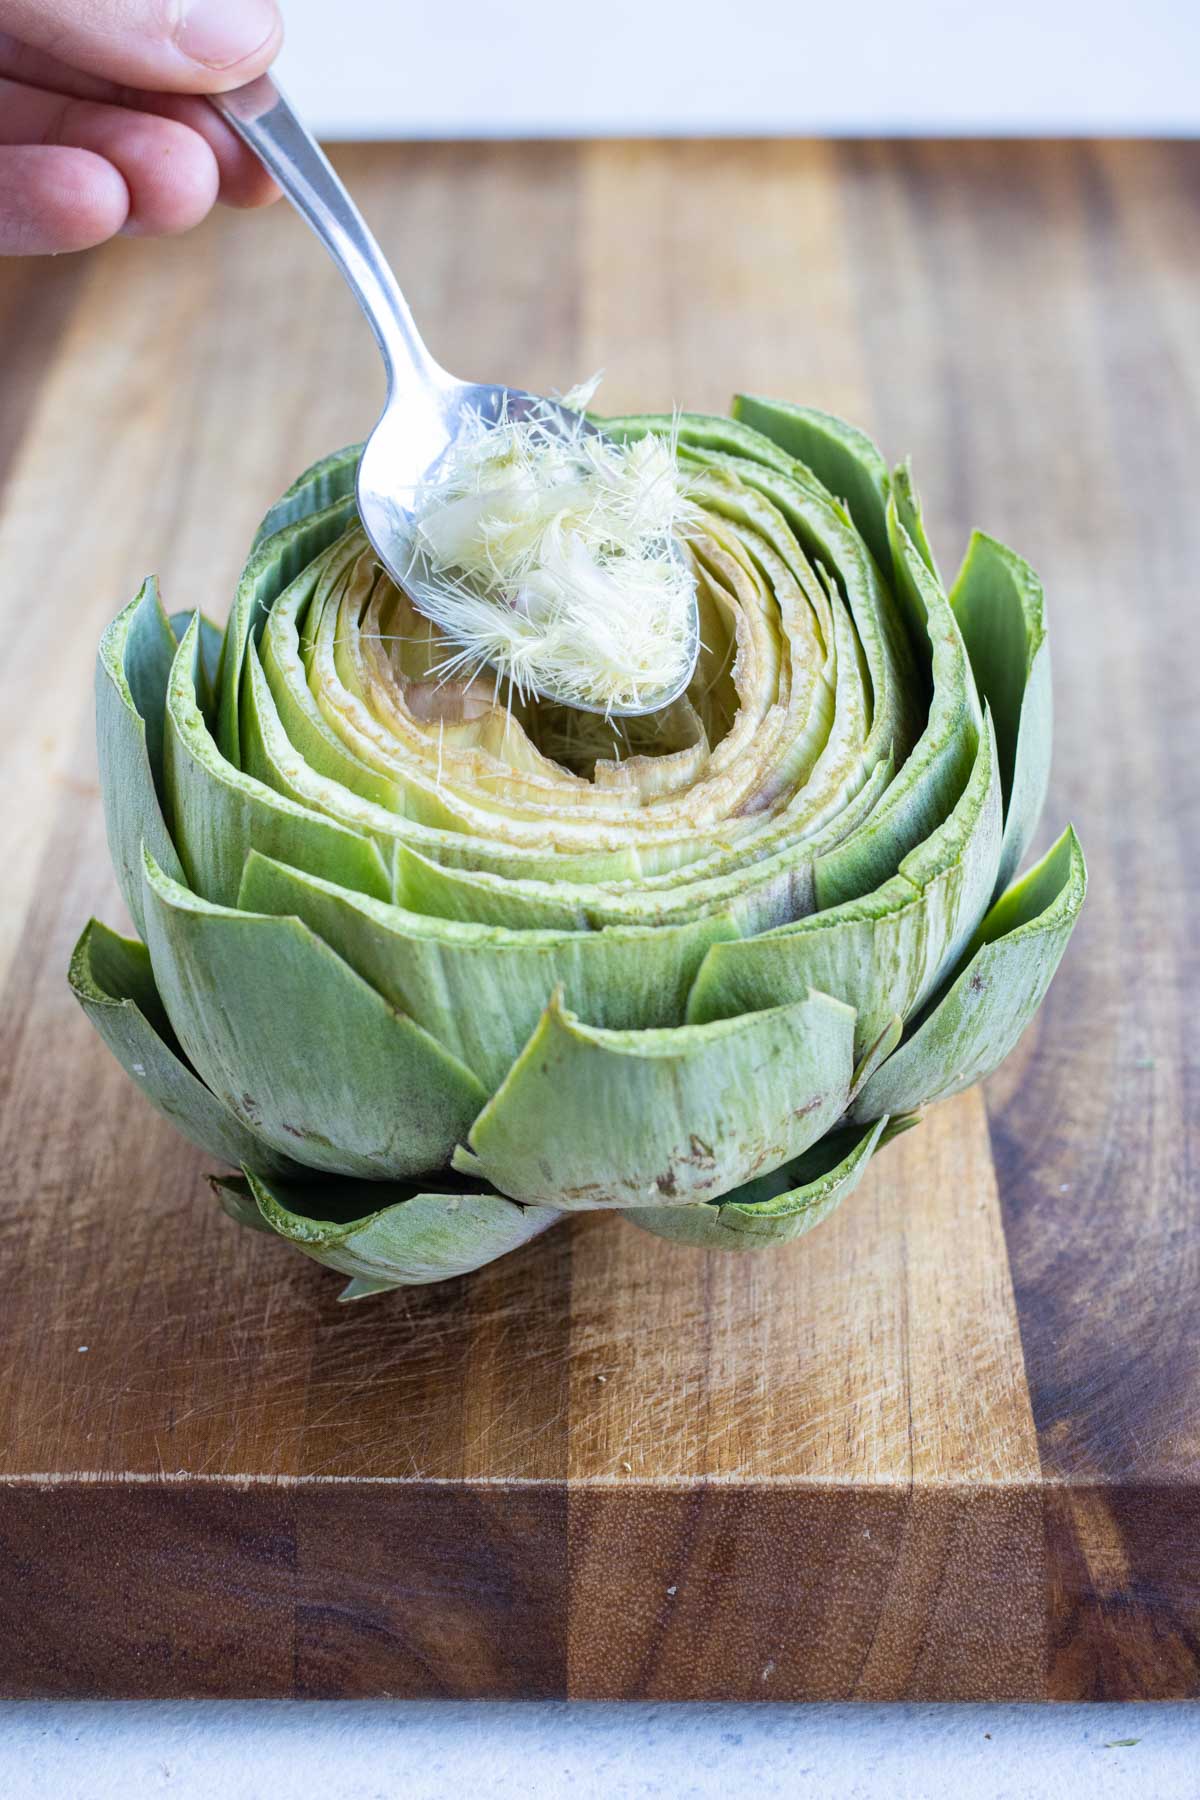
(389, 1234)
(298, 1046)
(112, 979)
(220, 813)
(908, 514)
(997, 600)
(208, 658)
(273, 565)
(480, 989)
(876, 1054)
(974, 1025)
(594, 1118)
(323, 485)
(933, 777)
(886, 953)
(236, 1200)
(842, 458)
(776, 1207)
(137, 651)
(364, 1287)
(960, 859)
(132, 670)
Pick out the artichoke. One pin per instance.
(432, 965)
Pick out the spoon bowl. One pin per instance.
(426, 408)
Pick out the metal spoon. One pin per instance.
(425, 408)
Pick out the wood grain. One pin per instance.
(949, 1446)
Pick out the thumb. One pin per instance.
(176, 46)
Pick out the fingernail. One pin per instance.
(220, 33)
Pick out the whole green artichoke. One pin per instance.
(434, 966)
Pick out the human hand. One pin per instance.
(100, 127)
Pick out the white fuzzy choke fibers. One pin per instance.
(550, 557)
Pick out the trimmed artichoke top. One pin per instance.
(433, 964)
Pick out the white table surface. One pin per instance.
(279, 1750)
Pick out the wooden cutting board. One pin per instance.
(948, 1446)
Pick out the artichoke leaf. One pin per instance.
(478, 989)
(997, 600)
(836, 749)
(826, 533)
(297, 1045)
(908, 514)
(387, 1234)
(886, 953)
(112, 979)
(327, 483)
(876, 1054)
(771, 891)
(278, 658)
(237, 1202)
(589, 1117)
(220, 812)
(208, 659)
(272, 567)
(933, 777)
(367, 804)
(1008, 968)
(843, 459)
(132, 668)
(774, 1208)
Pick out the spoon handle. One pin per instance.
(262, 117)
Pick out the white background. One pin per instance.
(409, 68)
(416, 1750)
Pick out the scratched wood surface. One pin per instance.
(948, 1446)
